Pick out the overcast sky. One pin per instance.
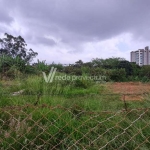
(68, 30)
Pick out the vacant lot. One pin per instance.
(76, 115)
(132, 90)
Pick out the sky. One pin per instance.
(64, 31)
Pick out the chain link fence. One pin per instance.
(45, 127)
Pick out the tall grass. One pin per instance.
(86, 94)
(64, 114)
(47, 128)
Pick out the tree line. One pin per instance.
(15, 60)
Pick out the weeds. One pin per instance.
(68, 115)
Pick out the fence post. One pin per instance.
(125, 104)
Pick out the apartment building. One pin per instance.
(141, 56)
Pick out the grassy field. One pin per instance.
(87, 94)
(71, 115)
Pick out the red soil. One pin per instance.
(132, 90)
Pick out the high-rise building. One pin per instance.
(141, 56)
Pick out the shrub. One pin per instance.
(145, 79)
(13, 72)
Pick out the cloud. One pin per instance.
(68, 26)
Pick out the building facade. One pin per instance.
(141, 56)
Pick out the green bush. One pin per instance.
(83, 83)
(13, 72)
(6, 62)
(118, 75)
(145, 79)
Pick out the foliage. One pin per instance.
(7, 63)
(145, 71)
(118, 75)
(15, 47)
(109, 63)
(13, 72)
(145, 79)
(127, 66)
(135, 69)
(58, 66)
(41, 66)
(14, 56)
(13, 52)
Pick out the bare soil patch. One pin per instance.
(132, 90)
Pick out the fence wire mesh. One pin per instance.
(44, 127)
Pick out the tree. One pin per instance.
(145, 71)
(118, 75)
(136, 69)
(15, 47)
(109, 63)
(79, 63)
(127, 66)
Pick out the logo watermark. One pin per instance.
(52, 76)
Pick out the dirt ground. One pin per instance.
(132, 90)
